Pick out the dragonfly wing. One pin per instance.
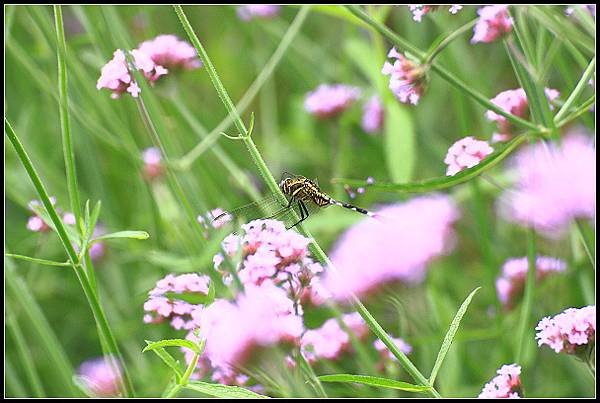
(266, 207)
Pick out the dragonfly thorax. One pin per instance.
(303, 189)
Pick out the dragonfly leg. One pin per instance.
(303, 213)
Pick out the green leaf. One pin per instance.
(374, 381)
(399, 142)
(450, 336)
(123, 234)
(168, 359)
(152, 345)
(224, 391)
(39, 261)
(444, 182)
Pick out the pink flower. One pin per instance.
(466, 153)
(507, 384)
(162, 304)
(170, 52)
(373, 115)
(101, 377)
(385, 353)
(250, 11)
(152, 163)
(69, 218)
(555, 184)
(330, 100)
(272, 254)
(515, 103)
(396, 248)
(493, 22)
(262, 316)
(514, 272)
(35, 223)
(419, 10)
(209, 219)
(570, 331)
(115, 75)
(407, 78)
(330, 340)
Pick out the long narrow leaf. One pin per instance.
(374, 381)
(224, 391)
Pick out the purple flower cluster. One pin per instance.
(163, 304)
(250, 11)
(330, 100)
(330, 341)
(507, 384)
(493, 23)
(515, 103)
(101, 376)
(570, 331)
(419, 10)
(373, 115)
(386, 354)
(466, 153)
(35, 223)
(510, 284)
(396, 248)
(556, 184)
(150, 59)
(407, 78)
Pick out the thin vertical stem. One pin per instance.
(529, 294)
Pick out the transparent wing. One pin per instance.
(263, 208)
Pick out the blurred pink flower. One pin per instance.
(556, 183)
(407, 78)
(262, 316)
(115, 74)
(419, 10)
(100, 376)
(250, 11)
(515, 103)
(35, 222)
(507, 384)
(514, 272)
(396, 248)
(69, 218)
(153, 167)
(169, 51)
(272, 254)
(385, 353)
(373, 115)
(493, 22)
(208, 218)
(329, 341)
(570, 331)
(162, 302)
(466, 153)
(330, 100)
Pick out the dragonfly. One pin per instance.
(304, 197)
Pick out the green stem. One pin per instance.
(65, 120)
(529, 294)
(266, 72)
(316, 250)
(583, 82)
(586, 241)
(442, 72)
(24, 355)
(447, 40)
(585, 107)
(103, 326)
(185, 378)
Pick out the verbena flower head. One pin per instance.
(385, 353)
(419, 10)
(493, 23)
(407, 78)
(171, 52)
(466, 153)
(507, 384)
(330, 341)
(373, 115)
(115, 75)
(250, 11)
(100, 376)
(514, 102)
(272, 254)
(396, 248)
(555, 185)
(152, 163)
(572, 331)
(330, 100)
(262, 316)
(163, 304)
(511, 283)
